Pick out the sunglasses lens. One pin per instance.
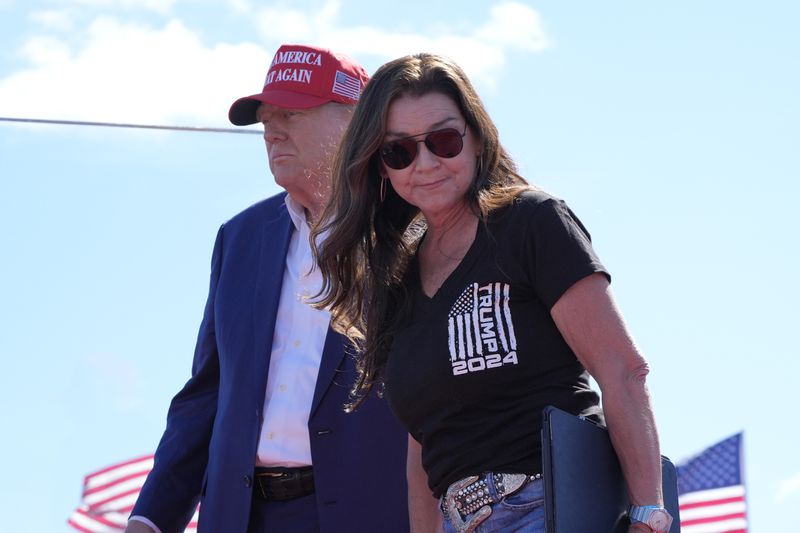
(444, 143)
(399, 154)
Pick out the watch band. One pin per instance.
(639, 513)
(656, 517)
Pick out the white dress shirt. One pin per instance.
(297, 344)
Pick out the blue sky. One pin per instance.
(671, 129)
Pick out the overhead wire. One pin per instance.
(129, 125)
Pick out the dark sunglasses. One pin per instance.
(400, 153)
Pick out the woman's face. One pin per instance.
(436, 185)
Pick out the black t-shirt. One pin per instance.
(471, 372)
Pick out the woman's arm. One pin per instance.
(423, 508)
(590, 322)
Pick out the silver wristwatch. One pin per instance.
(653, 516)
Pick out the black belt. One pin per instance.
(282, 483)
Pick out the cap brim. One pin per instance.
(243, 110)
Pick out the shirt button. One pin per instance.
(282, 387)
(296, 343)
(270, 435)
(248, 481)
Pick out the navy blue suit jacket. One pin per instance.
(208, 449)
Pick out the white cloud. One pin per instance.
(44, 51)
(119, 71)
(54, 19)
(788, 488)
(481, 52)
(517, 26)
(240, 6)
(158, 6)
(131, 73)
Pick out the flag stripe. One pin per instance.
(688, 506)
(451, 339)
(713, 510)
(736, 491)
(512, 338)
(111, 474)
(729, 526)
(462, 351)
(85, 517)
(142, 459)
(501, 333)
(713, 519)
(142, 474)
(475, 323)
(114, 491)
(125, 501)
(467, 324)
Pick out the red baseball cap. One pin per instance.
(301, 77)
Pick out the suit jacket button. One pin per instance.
(248, 481)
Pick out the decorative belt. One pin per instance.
(472, 495)
(283, 483)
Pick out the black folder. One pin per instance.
(584, 490)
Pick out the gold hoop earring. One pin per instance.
(383, 190)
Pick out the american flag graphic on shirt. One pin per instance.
(479, 326)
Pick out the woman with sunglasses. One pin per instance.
(474, 300)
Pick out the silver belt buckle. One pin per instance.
(508, 484)
(455, 514)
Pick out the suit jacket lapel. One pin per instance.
(332, 356)
(274, 238)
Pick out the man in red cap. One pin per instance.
(258, 435)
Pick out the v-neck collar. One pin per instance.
(465, 264)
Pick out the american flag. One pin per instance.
(480, 322)
(711, 490)
(108, 497)
(345, 85)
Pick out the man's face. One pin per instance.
(301, 144)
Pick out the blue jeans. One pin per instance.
(522, 512)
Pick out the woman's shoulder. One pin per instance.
(535, 198)
(526, 204)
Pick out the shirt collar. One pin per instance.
(297, 212)
(298, 215)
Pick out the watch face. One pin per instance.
(659, 521)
